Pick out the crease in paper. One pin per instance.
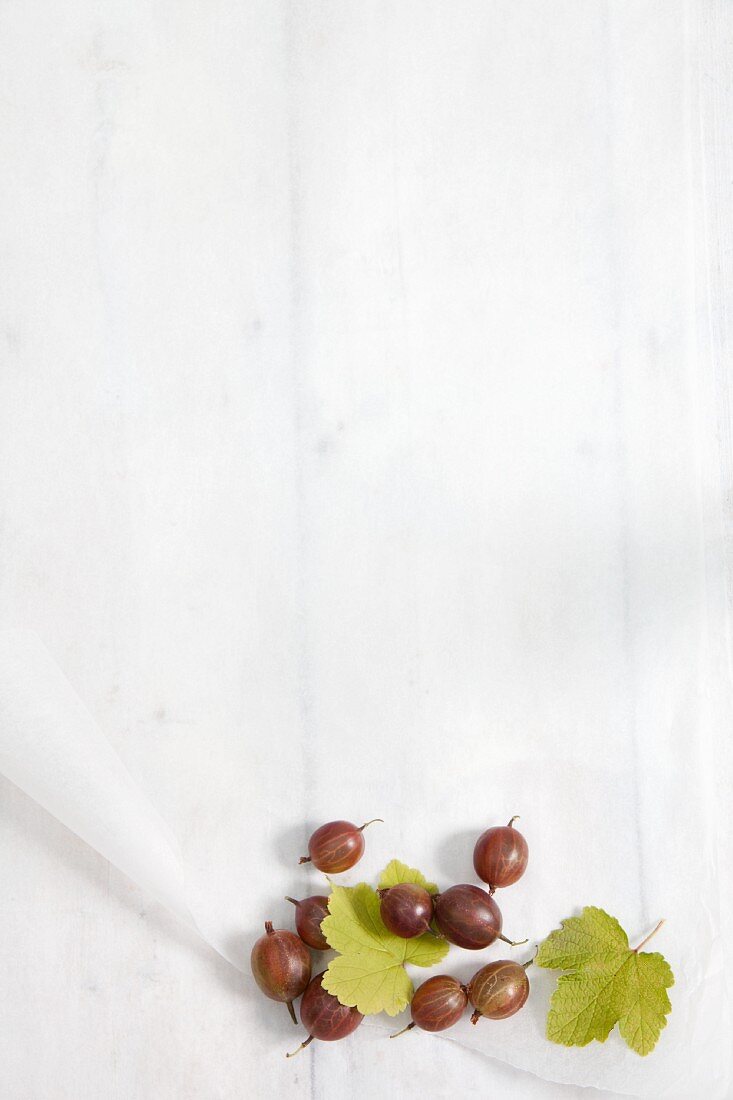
(53, 750)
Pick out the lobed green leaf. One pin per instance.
(607, 984)
(370, 971)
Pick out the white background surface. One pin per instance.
(365, 452)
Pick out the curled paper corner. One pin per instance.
(53, 750)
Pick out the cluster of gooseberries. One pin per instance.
(464, 915)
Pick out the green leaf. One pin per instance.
(396, 872)
(607, 984)
(587, 941)
(369, 972)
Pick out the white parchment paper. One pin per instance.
(365, 453)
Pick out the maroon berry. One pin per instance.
(468, 917)
(308, 916)
(437, 1004)
(281, 965)
(406, 909)
(500, 856)
(498, 990)
(324, 1016)
(336, 846)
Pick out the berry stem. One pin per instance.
(268, 928)
(650, 936)
(291, 1010)
(511, 823)
(512, 943)
(302, 1046)
(529, 962)
(363, 827)
(404, 1029)
(293, 900)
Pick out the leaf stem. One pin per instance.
(646, 939)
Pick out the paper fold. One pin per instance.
(53, 750)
